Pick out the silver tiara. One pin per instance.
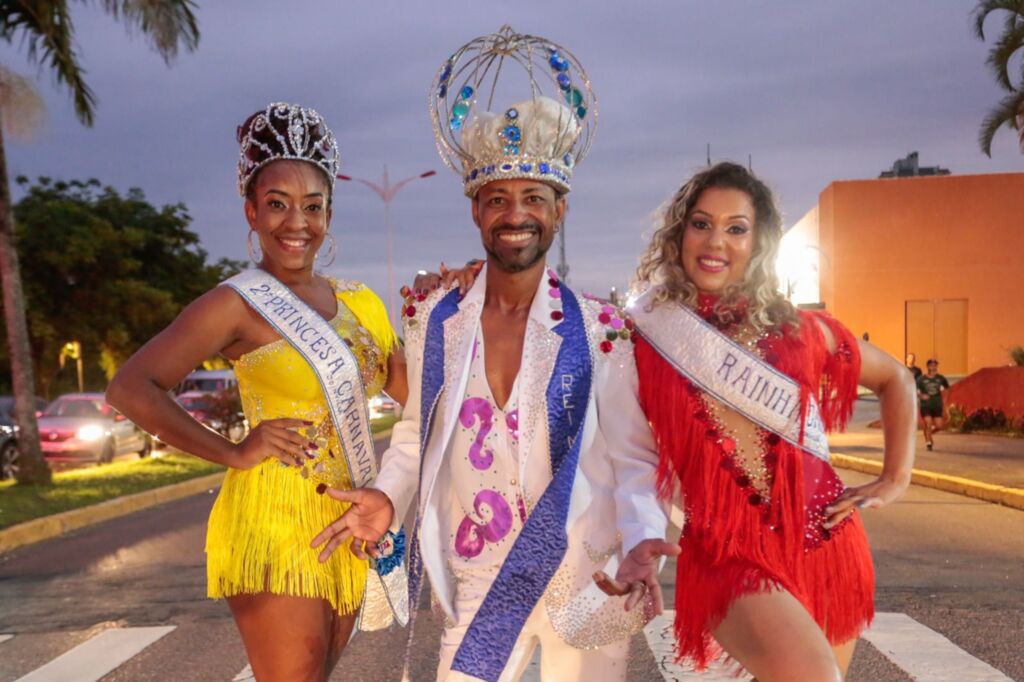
(286, 131)
(546, 127)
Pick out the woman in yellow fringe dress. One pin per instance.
(294, 613)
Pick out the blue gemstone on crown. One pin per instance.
(460, 110)
(564, 81)
(558, 62)
(511, 133)
(544, 168)
(568, 160)
(446, 72)
(455, 123)
(442, 91)
(526, 167)
(488, 170)
(512, 114)
(473, 174)
(512, 149)
(581, 111)
(466, 92)
(507, 167)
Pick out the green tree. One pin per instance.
(106, 269)
(1009, 111)
(46, 29)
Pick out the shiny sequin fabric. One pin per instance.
(754, 502)
(263, 519)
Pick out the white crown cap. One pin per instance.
(546, 131)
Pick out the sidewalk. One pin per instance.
(995, 460)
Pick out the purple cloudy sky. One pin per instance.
(814, 91)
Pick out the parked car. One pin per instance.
(9, 435)
(82, 427)
(208, 381)
(221, 411)
(383, 405)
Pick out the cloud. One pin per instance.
(811, 92)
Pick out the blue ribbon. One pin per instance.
(430, 390)
(538, 551)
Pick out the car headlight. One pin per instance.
(90, 432)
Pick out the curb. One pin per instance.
(47, 527)
(997, 494)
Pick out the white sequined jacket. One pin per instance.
(613, 505)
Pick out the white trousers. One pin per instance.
(559, 662)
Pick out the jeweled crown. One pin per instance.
(541, 138)
(285, 131)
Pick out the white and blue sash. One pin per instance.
(337, 370)
(729, 372)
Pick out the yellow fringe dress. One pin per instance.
(259, 533)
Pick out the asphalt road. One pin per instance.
(952, 564)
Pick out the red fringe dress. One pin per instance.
(751, 528)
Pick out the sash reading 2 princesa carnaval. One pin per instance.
(538, 551)
(729, 372)
(337, 370)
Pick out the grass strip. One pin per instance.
(82, 487)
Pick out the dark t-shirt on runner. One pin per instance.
(931, 387)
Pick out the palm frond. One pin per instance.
(48, 32)
(1010, 42)
(1015, 8)
(1009, 112)
(21, 107)
(166, 24)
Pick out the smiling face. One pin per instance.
(718, 239)
(288, 208)
(517, 221)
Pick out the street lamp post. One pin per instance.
(387, 191)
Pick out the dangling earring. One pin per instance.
(333, 250)
(255, 253)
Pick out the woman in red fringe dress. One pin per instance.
(775, 564)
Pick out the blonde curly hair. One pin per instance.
(661, 264)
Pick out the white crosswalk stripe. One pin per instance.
(918, 651)
(915, 649)
(662, 642)
(245, 675)
(97, 656)
(925, 654)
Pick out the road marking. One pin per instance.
(4, 638)
(245, 675)
(662, 641)
(925, 654)
(94, 658)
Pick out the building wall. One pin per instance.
(889, 241)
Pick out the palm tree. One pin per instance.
(1010, 110)
(46, 28)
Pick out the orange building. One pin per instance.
(929, 265)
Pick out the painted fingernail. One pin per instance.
(311, 445)
(311, 454)
(307, 422)
(321, 488)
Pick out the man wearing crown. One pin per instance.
(522, 435)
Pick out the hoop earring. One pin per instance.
(255, 253)
(332, 250)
